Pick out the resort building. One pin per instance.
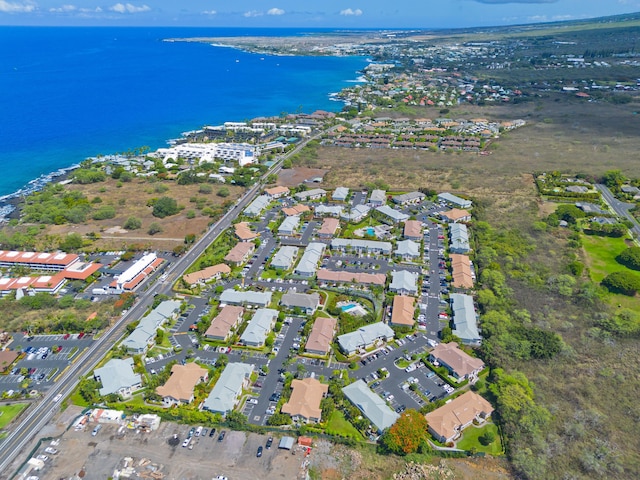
(304, 402)
(179, 388)
(228, 389)
(222, 325)
(447, 422)
(136, 273)
(321, 336)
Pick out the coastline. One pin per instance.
(10, 202)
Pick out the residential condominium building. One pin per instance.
(304, 402)
(245, 297)
(307, 302)
(289, 226)
(407, 249)
(340, 194)
(256, 207)
(329, 228)
(309, 262)
(223, 324)
(365, 337)
(298, 209)
(284, 258)
(321, 336)
(143, 336)
(178, 390)
(277, 192)
(410, 198)
(403, 311)
(329, 210)
(313, 194)
(117, 376)
(461, 271)
(361, 246)
(459, 238)
(371, 405)
(378, 198)
(456, 215)
(240, 253)
(447, 422)
(228, 389)
(465, 319)
(391, 214)
(356, 214)
(244, 233)
(213, 272)
(259, 327)
(454, 200)
(460, 364)
(404, 282)
(342, 276)
(413, 230)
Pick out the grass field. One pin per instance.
(472, 434)
(9, 412)
(338, 425)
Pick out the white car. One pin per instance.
(44, 458)
(253, 401)
(50, 451)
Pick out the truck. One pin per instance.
(98, 291)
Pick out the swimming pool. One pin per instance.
(346, 308)
(370, 231)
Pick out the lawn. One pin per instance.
(338, 425)
(9, 412)
(470, 440)
(601, 255)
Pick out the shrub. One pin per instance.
(630, 258)
(165, 207)
(205, 189)
(622, 282)
(132, 223)
(154, 228)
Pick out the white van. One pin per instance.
(96, 430)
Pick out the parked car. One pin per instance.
(221, 436)
(269, 442)
(259, 452)
(212, 432)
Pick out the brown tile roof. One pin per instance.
(329, 226)
(321, 335)
(412, 228)
(277, 191)
(449, 419)
(182, 381)
(206, 274)
(456, 214)
(305, 398)
(243, 232)
(7, 357)
(223, 322)
(459, 361)
(238, 253)
(295, 210)
(461, 271)
(403, 310)
(333, 276)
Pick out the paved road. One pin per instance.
(621, 208)
(40, 413)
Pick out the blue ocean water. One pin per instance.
(70, 93)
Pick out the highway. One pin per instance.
(620, 208)
(41, 412)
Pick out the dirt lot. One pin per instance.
(292, 177)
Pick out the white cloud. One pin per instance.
(129, 8)
(348, 12)
(209, 12)
(64, 9)
(275, 11)
(11, 7)
(252, 13)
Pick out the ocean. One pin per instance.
(67, 94)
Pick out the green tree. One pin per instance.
(223, 192)
(613, 178)
(71, 242)
(154, 228)
(165, 207)
(236, 420)
(626, 283)
(279, 419)
(630, 258)
(487, 438)
(132, 223)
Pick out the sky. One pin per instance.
(426, 14)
